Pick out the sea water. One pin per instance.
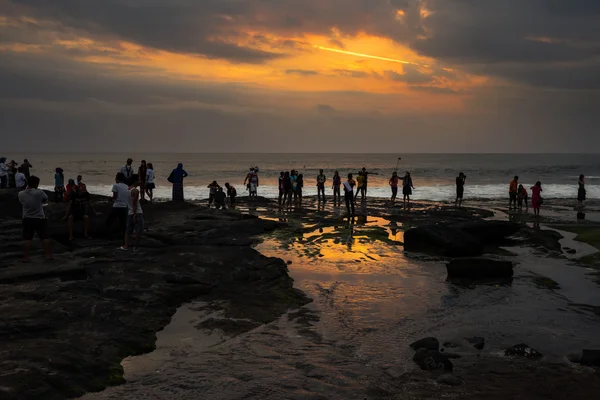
(433, 175)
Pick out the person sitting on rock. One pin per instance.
(214, 188)
(220, 198)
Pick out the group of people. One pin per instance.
(518, 196)
(218, 196)
(13, 175)
(144, 176)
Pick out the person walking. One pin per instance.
(176, 178)
(365, 175)
(581, 193)
(337, 183)
(321, 179)
(119, 198)
(59, 185)
(135, 219)
(407, 188)
(394, 180)
(150, 185)
(460, 189)
(142, 178)
(34, 220)
(349, 194)
(360, 181)
(3, 173)
(127, 171)
(536, 198)
(513, 192)
(26, 166)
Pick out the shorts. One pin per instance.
(33, 225)
(138, 226)
(150, 186)
(78, 215)
(253, 187)
(513, 196)
(460, 191)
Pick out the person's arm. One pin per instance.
(114, 196)
(184, 175)
(257, 181)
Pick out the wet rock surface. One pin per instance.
(479, 268)
(523, 350)
(429, 343)
(67, 324)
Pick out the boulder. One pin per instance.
(489, 232)
(442, 241)
(477, 342)
(429, 343)
(431, 360)
(479, 268)
(449, 379)
(523, 350)
(591, 358)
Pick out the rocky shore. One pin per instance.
(66, 325)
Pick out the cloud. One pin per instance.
(304, 72)
(410, 75)
(325, 109)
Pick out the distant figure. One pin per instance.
(3, 173)
(120, 191)
(220, 199)
(59, 185)
(127, 171)
(299, 187)
(294, 179)
(176, 178)
(26, 168)
(12, 171)
(150, 186)
(365, 175)
(20, 179)
(349, 194)
(135, 219)
(360, 181)
(536, 198)
(460, 188)
(142, 178)
(523, 198)
(69, 186)
(513, 191)
(337, 183)
(407, 188)
(79, 202)
(281, 188)
(581, 191)
(321, 179)
(34, 219)
(287, 189)
(231, 193)
(252, 182)
(394, 185)
(214, 188)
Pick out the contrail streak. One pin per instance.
(362, 55)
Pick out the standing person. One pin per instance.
(522, 197)
(232, 193)
(337, 182)
(176, 178)
(321, 179)
(581, 191)
(135, 219)
(20, 180)
(281, 188)
(365, 175)
(26, 168)
(3, 173)
(349, 194)
(150, 186)
(294, 179)
(360, 181)
(513, 191)
(394, 180)
(120, 192)
(79, 202)
(68, 188)
(59, 185)
(214, 188)
(407, 188)
(34, 219)
(287, 189)
(299, 187)
(127, 171)
(220, 199)
(252, 183)
(536, 198)
(12, 171)
(142, 177)
(460, 188)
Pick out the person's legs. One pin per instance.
(42, 231)
(139, 228)
(28, 233)
(3, 182)
(128, 231)
(86, 226)
(70, 226)
(347, 198)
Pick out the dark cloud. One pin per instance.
(304, 72)
(352, 73)
(411, 75)
(325, 109)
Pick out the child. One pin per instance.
(523, 196)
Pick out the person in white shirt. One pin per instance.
(120, 192)
(3, 173)
(127, 171)
(150, 186)
(135, 219)
(20, 179)
(34, 218)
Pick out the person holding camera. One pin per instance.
(460, 188)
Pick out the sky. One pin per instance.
(370, 76)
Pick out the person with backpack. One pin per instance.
(252, 182)
(231, 193)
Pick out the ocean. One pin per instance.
(433, 175)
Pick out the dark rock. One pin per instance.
(571, 251)
(523, 350)
(591, 358)
(477, 342)
(451, 380)
(430, 343)
(442, 240)
(451, 345)
(479, 268)
(489, 232)
(432, 360)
